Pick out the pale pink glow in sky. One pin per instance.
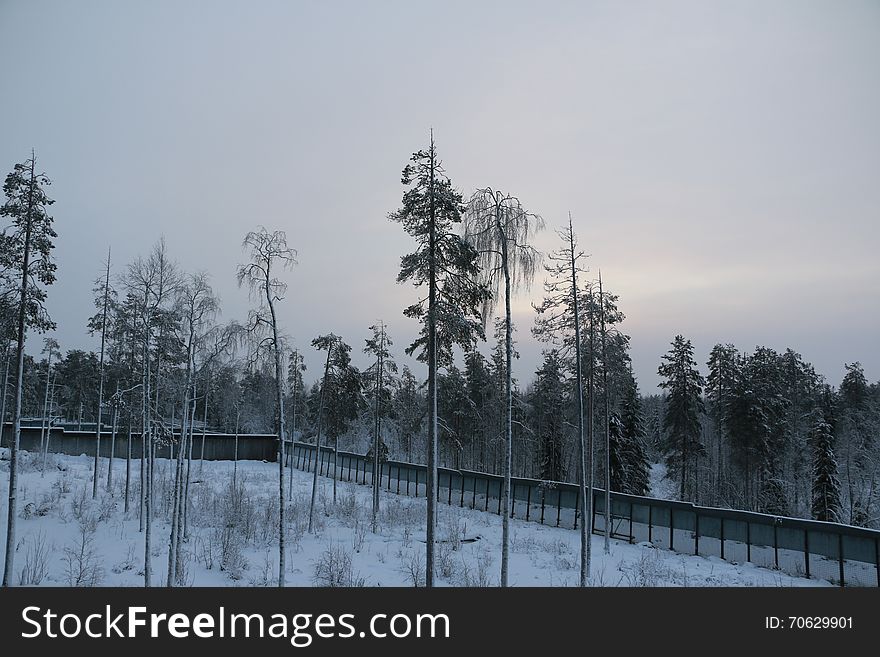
(720, 159)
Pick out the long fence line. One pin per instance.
(842, 554)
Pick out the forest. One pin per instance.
(739, 427)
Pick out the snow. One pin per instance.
(661, 487)
(233, 540)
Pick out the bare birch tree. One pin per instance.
(499, 229)
(268, 252)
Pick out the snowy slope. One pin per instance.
(233, 538)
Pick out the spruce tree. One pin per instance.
(636, 467)
(826, 484)
(684, 407)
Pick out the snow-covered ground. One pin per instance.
(661, 487)
(66, 538)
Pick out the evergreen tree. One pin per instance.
(547, 402)
(450, 314)
(636, 468)
(826, 485)
(684, 406)
(720, 384)
(26, 257)
(408, 412)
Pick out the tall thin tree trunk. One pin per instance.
(204, 430)
(13, 452)
(146, 483)
(376, 428)
(174, 539)
(44, 420)
(189, 453)
(605, 420)
(126, 506)
(113, 439)
(235, 456)
(335, 464)
(49, 427)
(508, 409)
(3, 401)
(318, 441)
(431, 492)
(586, 500)
(101, 379)
(292, 426)
(279, 401)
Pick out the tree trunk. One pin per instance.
(3, 401)
(586, 500)
(204, 429)
(379, 366)
(13, 452)
(146, 482)
(431, 488)
(508, 408)
(605, 419)
(43, 426)
(279, 398)
(292, 429)
(174, 539)
(318, 441)
(235, 456)
(101, 380)
(128, 467)
(113, 440)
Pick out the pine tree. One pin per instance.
(450, 314)
(25, 253)
(826, 485)
(379, 373)
(560, 319)
(684, 406)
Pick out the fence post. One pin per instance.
(840, 554)
(671, 529)
(776, 543)
(486, 508)
(748, 541)
(474, 502)
(558, 505)
(722, 538)
(577, 499)
(512, 499)
(696, 533)
(528, 501)
(630, 522)
(807, 552)
(650, 523)
(877, 558)
(461, 501)
(544, 494)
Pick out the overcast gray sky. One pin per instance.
(721, 159)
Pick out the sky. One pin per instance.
(721, 160)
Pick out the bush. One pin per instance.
(334, 569)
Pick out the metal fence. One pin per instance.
(842, 554)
